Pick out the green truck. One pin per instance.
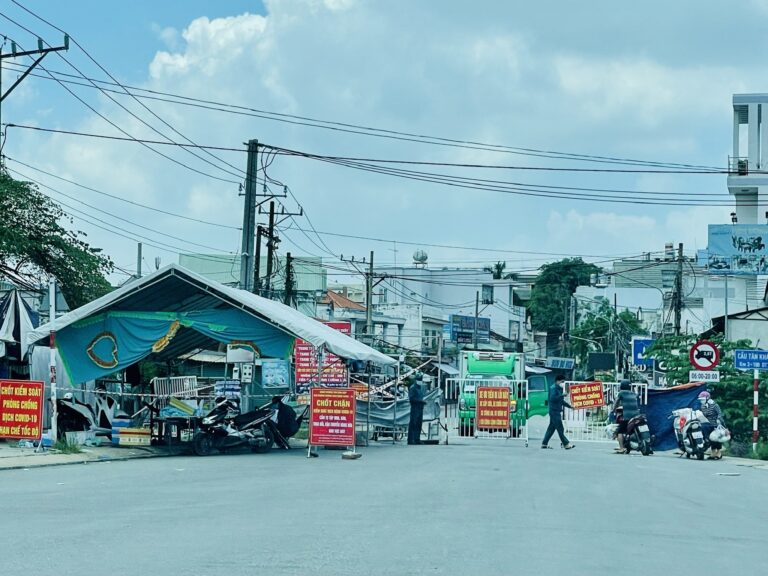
(478, 368)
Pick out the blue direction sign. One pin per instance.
(639, 346)
(750, 359)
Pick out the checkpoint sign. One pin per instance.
(586, 395)
(492, 408)
(21, 409)
(704, 355)
(332, 416)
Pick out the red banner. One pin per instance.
(492, 408)
(332, 417)
(587, 395)
(21, 409)
(334, 372)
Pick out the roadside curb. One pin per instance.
(84, 461)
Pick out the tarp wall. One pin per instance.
(661, 402)
(382, 413)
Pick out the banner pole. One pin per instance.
(756, 399)
(52, 360)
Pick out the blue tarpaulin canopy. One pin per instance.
(173, 311)
(661, 402)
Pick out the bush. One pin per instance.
(67, 447)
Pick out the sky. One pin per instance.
(650, 81)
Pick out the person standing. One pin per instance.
(416, 399)
(556, 403)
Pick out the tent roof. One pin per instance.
(176, 289)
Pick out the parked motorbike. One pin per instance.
(690, 436)
(224, 427)
(638, 436)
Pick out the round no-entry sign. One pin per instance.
(704, 355)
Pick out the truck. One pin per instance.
(477, 368)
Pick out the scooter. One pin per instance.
(224, 428)
(690, 436)
(638, 436)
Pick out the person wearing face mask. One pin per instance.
(556, 402)
(714, 416)
(626, 407)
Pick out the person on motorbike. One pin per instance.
(626, 406)
(714, 416)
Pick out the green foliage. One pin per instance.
(66, 447)
(734, 392)
(554, 287)
(34, 245)
(601, 328)
(497, 270)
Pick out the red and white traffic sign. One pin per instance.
(704, 355)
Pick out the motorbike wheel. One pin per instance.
(203, 444)
(645, 447)
(700, 454)
(687, 455)
(269, 440)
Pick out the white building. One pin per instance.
(426, 297)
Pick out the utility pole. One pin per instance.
(138, 262)
(369, 298)
(249, 217)
(271, 245)
(288, 299)
(679, 288)
(257, 263)
(477, 314)
(42, 52)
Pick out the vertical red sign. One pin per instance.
(492, 408)
(332, 417)
(334, 372)
(21, 409)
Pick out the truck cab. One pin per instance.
(480, 368)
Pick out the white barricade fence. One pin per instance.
(503, 414)
(593, 424)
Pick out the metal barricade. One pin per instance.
(593, 424)
(458, 417)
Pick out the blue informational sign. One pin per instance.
(639, 346)
(738, 249)
(462, 329)
(750, 359)
(275, 373)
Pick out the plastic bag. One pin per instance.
(720, 434)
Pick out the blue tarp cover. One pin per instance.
(661, 402)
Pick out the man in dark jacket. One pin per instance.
(556, 402)
(416, 398)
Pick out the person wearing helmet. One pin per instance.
(714, 416)
(626, 407)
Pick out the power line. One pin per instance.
(190, 242)
(121, 199)
(369, 131)
(141, 120)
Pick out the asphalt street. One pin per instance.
(490, 508)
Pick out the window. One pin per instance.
(486, 295)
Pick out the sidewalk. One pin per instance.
(12, 457)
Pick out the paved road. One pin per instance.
(488, 508)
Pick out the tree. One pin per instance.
(553, 289)
(34, 245)
(734, 392)
(497, 270)
(602, 328)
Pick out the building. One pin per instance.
(310, 277)
(427, 297)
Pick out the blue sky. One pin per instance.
(652, 82)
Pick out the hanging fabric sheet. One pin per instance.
(100, 345)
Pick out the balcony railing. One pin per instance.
(738, 165)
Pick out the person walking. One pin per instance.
(556, 402)
(416, 399)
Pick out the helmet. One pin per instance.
(704, 395)
(625, 385)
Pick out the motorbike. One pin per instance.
(690, 436)
(224, 427)
(638, 436)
